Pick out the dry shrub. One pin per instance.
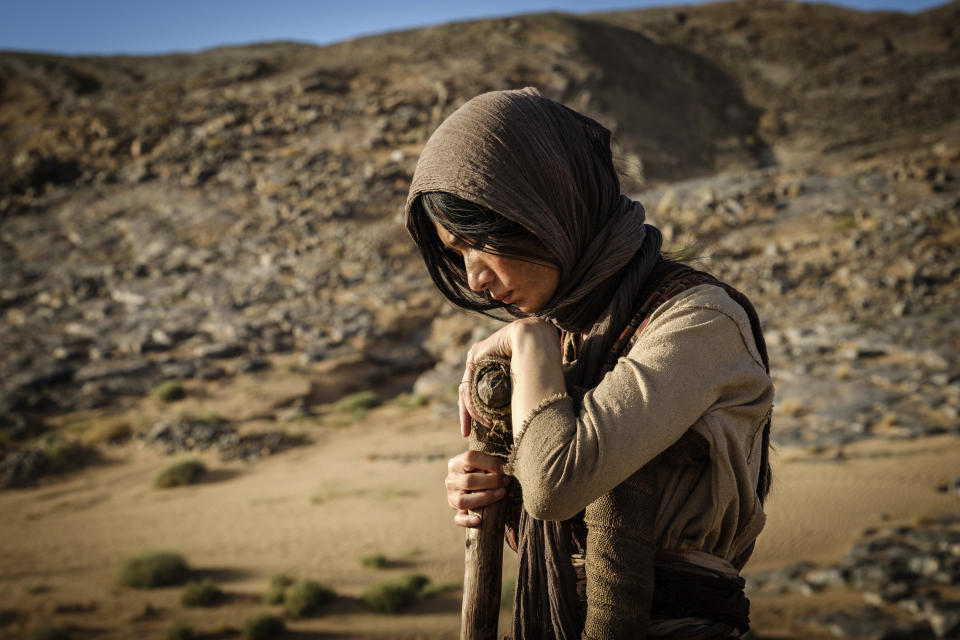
(201, 594)
(395, 596)
(359, 403)
(169, 391)
(114, 431)
(306, 596)
(154, 569)
(374, 561)
(278, 585)
(180, 474)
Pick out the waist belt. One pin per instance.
(685, 590)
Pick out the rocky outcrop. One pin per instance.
(914, 567)
(203, 216)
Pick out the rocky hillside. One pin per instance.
(202, 216)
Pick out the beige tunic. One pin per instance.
(695, 365)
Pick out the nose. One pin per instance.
(479, 275)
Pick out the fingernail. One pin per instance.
(473, 520)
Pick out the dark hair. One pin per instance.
(477, 227)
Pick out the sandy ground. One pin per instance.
(375, 486)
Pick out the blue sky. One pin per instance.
(157, 26)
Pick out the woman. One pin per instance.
(641, 396)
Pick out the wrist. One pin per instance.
(533, 336)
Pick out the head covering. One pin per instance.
(550, 169)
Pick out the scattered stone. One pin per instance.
(871, 623)
(917, 568)
(187, 434)
(251, 365)
(53, 454)
(111, 369)
(219, 350)
(249, 447)
(22, 468)
(192, 434)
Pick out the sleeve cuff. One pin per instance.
(539, 411)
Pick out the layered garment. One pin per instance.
(693, 369)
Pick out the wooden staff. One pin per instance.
(482, 575)
(490, 390)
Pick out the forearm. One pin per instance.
(536, 367)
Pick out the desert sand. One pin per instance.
(374, 485)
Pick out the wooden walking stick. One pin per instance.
(490, 390)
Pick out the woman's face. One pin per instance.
(525, 285)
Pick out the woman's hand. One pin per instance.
(497, 345)
(533, 347)
(474, 480)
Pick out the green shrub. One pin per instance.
(201, 594)
(154, 569)
(63, 454)
(411, 401)
(395, 596)
(78, 426)
(374, 560)
(51, 633)
(278, 585)
(169, 391)
(110, 432)
(263, 627)
(415, 581)
(180, 631)
(359, 403)
(212, 418)
(180, 473)
(306, 596)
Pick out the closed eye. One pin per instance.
(453, 255)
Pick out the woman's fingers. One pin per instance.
(469, 461)
(463, 397)
(461, 500)
(471, 410)
(474, 480)
(498, 345)
(466, 519)
(477, 481)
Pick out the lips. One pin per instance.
(505, 298)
